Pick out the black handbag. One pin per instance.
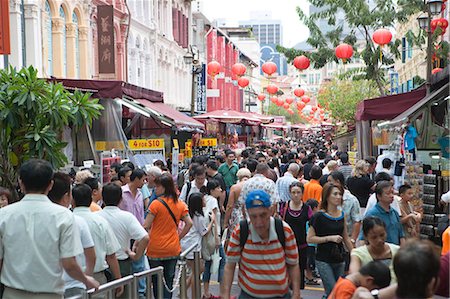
(399, 165)
(337, 252)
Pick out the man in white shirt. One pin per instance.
(372, 201)
(61, 195)
(105, 242)
(32, 266)
(196, 185)
(125, 227)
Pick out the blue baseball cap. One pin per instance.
(258, 198)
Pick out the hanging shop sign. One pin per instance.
(105, 25)
(145, 144)
(5, 43)
(201, 90)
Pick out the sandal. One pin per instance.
(313, 282)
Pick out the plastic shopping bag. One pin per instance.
(215, 261)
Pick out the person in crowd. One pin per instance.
(373, 275)
(261, 158)
(126, 228)
(115, 180)
(297, 214)
(160, 164)
(300, 175)
(196, 184)
(377, 249)
(346, 168)
(152, 173)
(359, 184)
(214, 191)
(311, 272)
(387, 164)
(5, 197)
(372, 166)
(234, 208)
(261, 248)
(96, 188)
(283, 184)
(331, 166)
(321, 155)
(313, 189)
(164, 245)
(446, 240)
(128, 164)
(275, 166)
(201, 225)
(385, 195)
(260, 181)
(383, 176)
(105, 242)
(351, 209)
(251, 165)
(54, 237)
(114, 169)
(410, 218)
(328, 230)
(444, 275)
(310, 162)
(124, 175)
(133, 202)
(213, 173)
(228, 170)
(411, 136)
(61, 195)
(82, 175)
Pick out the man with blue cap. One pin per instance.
(269, 254)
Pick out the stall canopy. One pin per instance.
(230, 116)
(178, 119)
(265, 119)
(388, 107)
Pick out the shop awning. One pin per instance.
(278, 126)
(438, 94)
(265, 119)
(230, 116)
(178, 119)
(109, 89)
(388, 107)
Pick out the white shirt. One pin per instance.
(105, 242)
(86, 242)
(373, 201)
(125, 227)
(211, 203)
(35, 234)
(183, 196)
(446, 197)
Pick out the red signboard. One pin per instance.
(105, 25)
(5, 43)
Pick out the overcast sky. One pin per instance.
(239, 10)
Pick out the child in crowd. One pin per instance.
(410, 218)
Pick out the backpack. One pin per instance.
(243, 236)
(180, 178)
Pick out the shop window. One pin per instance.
(403, 50)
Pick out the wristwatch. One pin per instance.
(374, 293)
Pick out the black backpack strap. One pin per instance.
(280, 232)
(188, 189)
(170, 211)
(243, 233)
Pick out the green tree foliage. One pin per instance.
(277, 110)
(362, 21)
(342, 97)
(33, 114)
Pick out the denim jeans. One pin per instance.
(139, 266)
(169, 273)
(207, 273)
(330, 273)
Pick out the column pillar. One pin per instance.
(83, 36)
(132, 66)
(119, 61)
(15, 58)
(71, 51)
(148, 71)
(33, 36)
(58, 55)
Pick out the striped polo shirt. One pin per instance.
(262, 265)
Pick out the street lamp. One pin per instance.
(431, 8)
(191, 58)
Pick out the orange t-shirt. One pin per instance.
(94, 207)
(343, 289)
(313, 189)
(446, 241)
(164, 241)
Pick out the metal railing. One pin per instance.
(195, 273)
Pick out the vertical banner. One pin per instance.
(201, 90)
(394, 82)
(5, 43)
(105, 25)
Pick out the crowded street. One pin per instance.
(224, 149)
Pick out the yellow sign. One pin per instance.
(208, 142)
(145, 144)
(175, 143)
(108, 145)
(188, 145)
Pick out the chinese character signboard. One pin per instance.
(105, 25)
(394, 83)
(201, 91)
(5, 47)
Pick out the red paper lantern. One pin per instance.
(274, 100)
(314, 108)
(289, 100)
(261, 97)
(382, 37)
(302, 62)
(269, 68)
(286, 106)
(213, 68)
(436, 70)
(300, 105)
(444, 23)
(243, 82)
(290, 111)
(299, 92)
(344, 52)
(238, 69)
(272, 89)
(433, 24)
(306, 99)
(280, 102)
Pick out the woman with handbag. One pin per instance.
(200, 228)
(328, 230)
(162, 221)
